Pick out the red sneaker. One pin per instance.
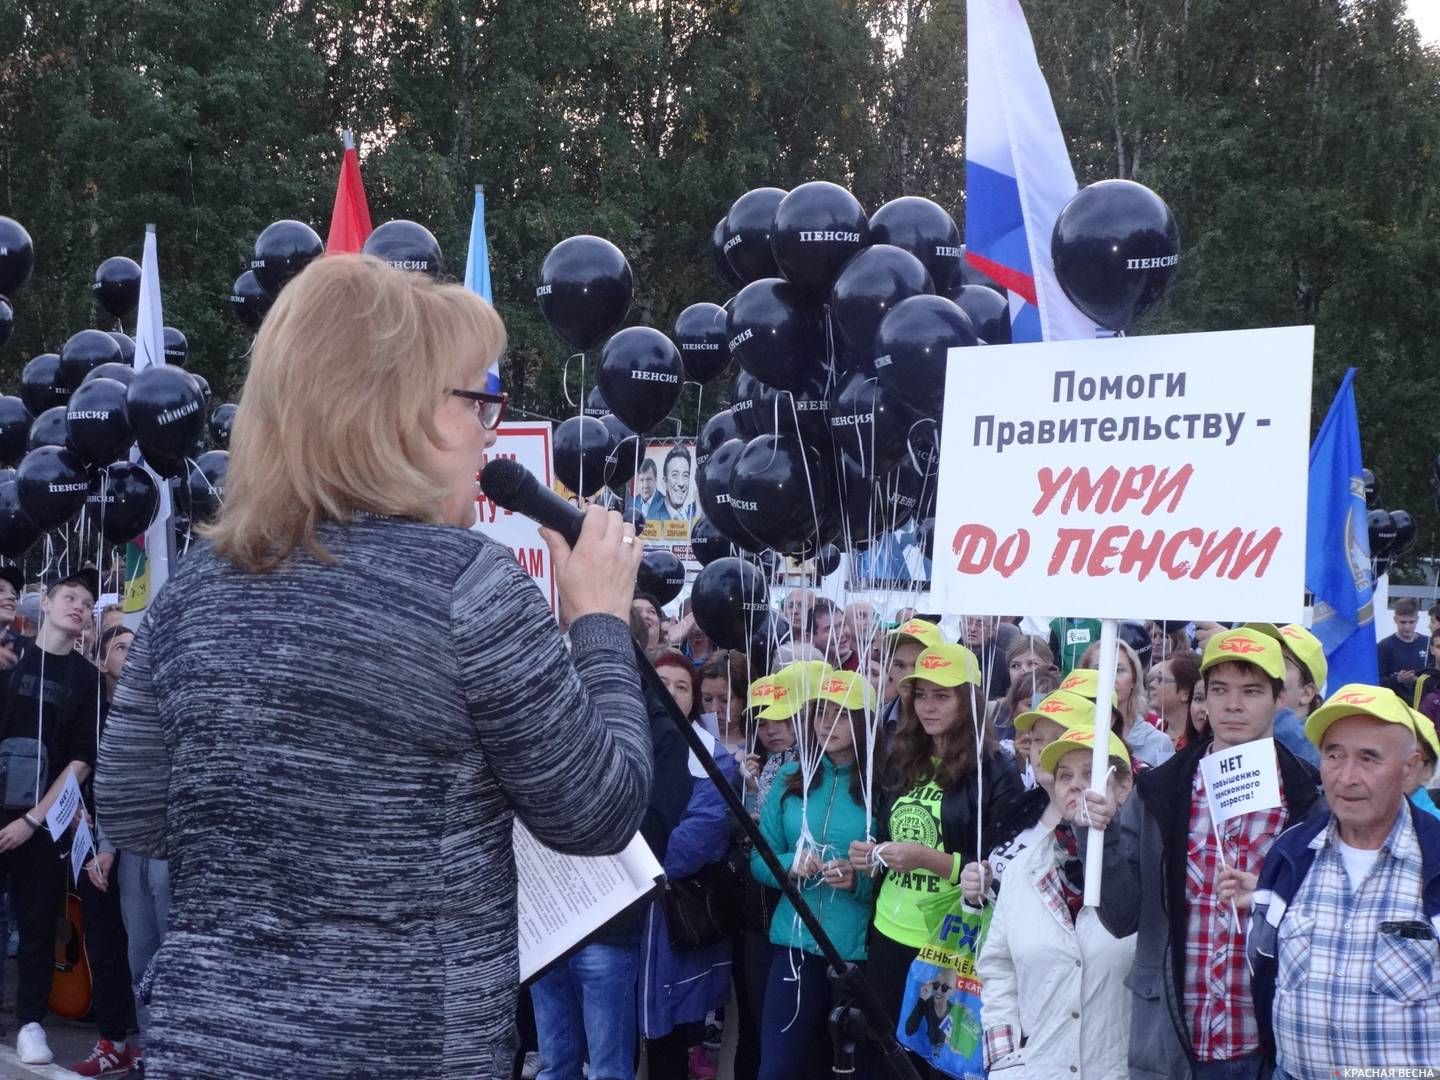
(105, 1060)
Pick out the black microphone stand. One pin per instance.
(858, 1015)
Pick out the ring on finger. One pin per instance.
(627, 539)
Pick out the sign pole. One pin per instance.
(1100, 753)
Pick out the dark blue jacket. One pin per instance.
(1286, 865)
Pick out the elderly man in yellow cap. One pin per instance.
(1343, 935)
(1169, 877)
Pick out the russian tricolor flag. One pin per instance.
(1017, 173)
(477, 272)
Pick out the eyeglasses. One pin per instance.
(489, 408)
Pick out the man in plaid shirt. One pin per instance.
(1343, 935)
(1192, 1014)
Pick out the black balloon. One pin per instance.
(167, 413)
(585, 290)
(123, 498)
(782, 412)
(700, 334)
(927, 231)
(1372, 487)
(715, 483)
(818, 227)
(749, 398)
(578, 449)
(95, 422)
(707, 543)
(121, 373)
(248, 300)
(728, 598)
(17, 532)
(640, 376)
(867, 422)
(775, 335)
(859, 495)
(52, 484)
(1405, 531)
(127, 347)
(222, 421)
(82, 353)
(17, 256)
(720, 428)
(772, 631)
(15, 421)
(282, 250)
(39, 387)
(595, 404)
(924, 443)
(660, 574)
(48, 429)
(635, 517)
(204, 385)
(206, 482)
(912, 347)
(868, 288)
(1382, 533)
(778, 491)
(177, 349)
(116, 285)
(827, 560)
(747, 234)
(406, 245)
(1115, 247)
(7, 320)
(989, 312)
(627, 450)
(717, 254)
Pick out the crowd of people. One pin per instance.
(61, 658)
(897, 774)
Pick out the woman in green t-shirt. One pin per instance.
(928, 821)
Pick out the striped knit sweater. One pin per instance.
(331, 756)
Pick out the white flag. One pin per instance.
(150, 352)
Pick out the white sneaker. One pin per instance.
(32, 1046)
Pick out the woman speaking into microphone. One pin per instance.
(336, 708)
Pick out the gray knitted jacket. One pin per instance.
(331, 755)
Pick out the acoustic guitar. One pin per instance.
(70, 988)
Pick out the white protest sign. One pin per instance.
(1157, 476)
(60, 814)
(80, 848)
(528, 444)
(1241, 780)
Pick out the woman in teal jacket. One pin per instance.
(797, 995)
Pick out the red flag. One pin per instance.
(350, 222)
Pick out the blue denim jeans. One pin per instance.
(1250, 1067)
(585, 1010)
(145, 906)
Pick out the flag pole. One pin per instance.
(347, 139)
(1100, 752)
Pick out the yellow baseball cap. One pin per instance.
(794, 685)
(1304, 646)
(946, 665)
(1357, 699)
(1425, 728)
(921, 630)
(762, 692)
(1079, 739)
(1065, 708)
(848, 689)
(1085, 683)
(1245, 646)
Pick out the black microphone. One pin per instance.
(507, 483)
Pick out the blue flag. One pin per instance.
(477, 273)
(1337, 546)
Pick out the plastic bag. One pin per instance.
(940, 1013)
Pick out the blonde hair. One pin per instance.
(1139, 699)
(338, 410)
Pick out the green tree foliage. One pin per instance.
(1295, 142)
